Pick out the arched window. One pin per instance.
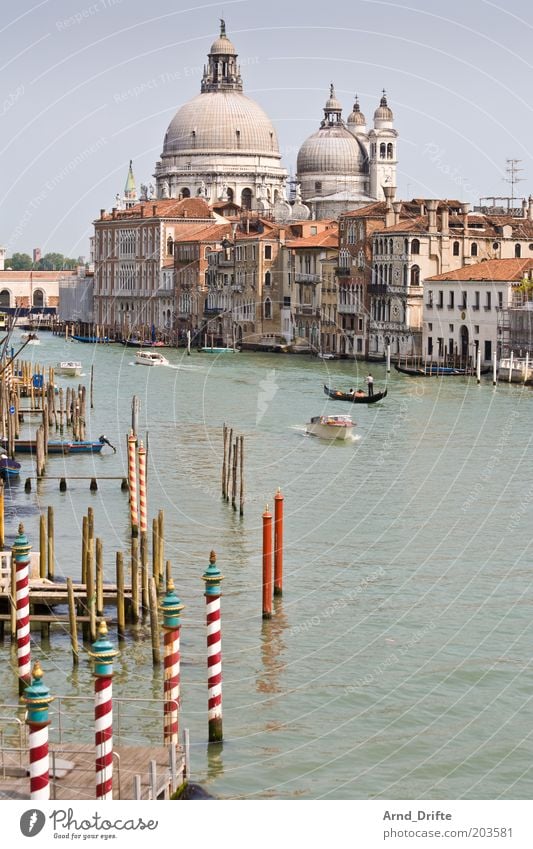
(517, 251)
(415, 275)
(5, 298)
(415, 246)
(406, 246)
(390, 246)
(456, 248)
(246, 198)
(473, 249)
(169, 246)
(268, 278)
(390, 152)
(268, 308)
(38, 298)
(382, 150)
(185, 192)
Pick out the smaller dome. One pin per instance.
(356, 117)
(383, 112)
(222, 45)
(332, 104)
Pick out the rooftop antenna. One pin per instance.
(512, 178)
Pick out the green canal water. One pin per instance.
(398, 663)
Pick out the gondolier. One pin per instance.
(370, 385)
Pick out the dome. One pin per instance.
(331, 150)
(383, 112)
(332, 104)
(223, 46)
(221, 121)
(356, 116)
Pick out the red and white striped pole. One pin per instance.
(267, 564)
(132, 481)
(212, 577)
(171, 607)
(142, 489)
(278, 543)
(21, 552)
(37, 698)
(103, 654)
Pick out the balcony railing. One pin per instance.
(341, 271)
(213, 310)
(377, 289)
(348, 309)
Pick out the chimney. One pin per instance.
(114, 212)
(154, 210)
(524, 208)
(142, 210)
(530, 208)
(389, 192)
(445, 218)
(432, 215)
(465, 209)
(102, 214)
(397, 207)
(422, 208)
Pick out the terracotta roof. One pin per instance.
(497, 270)
(378, 208)
(326, 239)
(202, 232)
(167, 208)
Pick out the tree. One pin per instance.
(56, 262)
(19, 262)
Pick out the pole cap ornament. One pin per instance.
(171, 607)
(21, 547)
(103, 652)
(212, 576)
(37, 697)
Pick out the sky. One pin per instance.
(87, 85)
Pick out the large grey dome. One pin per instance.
(331, 150)
(221, 121)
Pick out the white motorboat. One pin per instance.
(331, 427)
(30, 338)
(515, 370)
(69, 368)
(322, 356)
(150, 358)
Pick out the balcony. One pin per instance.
(347, 309)
(226, 263)
(342, 271)
(379, 289)
(307, 309)
(213, 310)
(300, 277)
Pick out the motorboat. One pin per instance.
(515, 370)
(323, 356)
(330, 427)
(207, 349)
(69, 368)
(150, 358)
(30, 338)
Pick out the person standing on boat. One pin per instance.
(370, 384)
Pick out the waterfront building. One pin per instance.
(341, 166)
(221, 145)
(463, 310)
(133, 285)
(31, 294)
(76, 301)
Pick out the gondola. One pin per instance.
(439, 371)
(354, 399)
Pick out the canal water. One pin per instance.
(398, 663)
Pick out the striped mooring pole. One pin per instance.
(142, 489)
(212, 577)
(267, 564)
(132, 481)
(103, 653)
(37, 697)
(171, 608)
(21, 552)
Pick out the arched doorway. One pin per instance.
(38, 298)
(185, 192)
(5, 298)
(463, 336)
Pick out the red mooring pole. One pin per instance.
(267, 564)
(278, 543)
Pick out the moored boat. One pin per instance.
(435, 370)
(330, 427)
(8, 468)
(150, 358)
(30, 338)
(355, 397)
(515, 370)
(207, 349)
(91, 339)
(69, 368)
(58, 446)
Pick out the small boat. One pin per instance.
(357, 397)
(91, 339)
(207, 349)
(435, 370)
(57, 446)
(322, 356)
(330, 427)
(69, 368)
(142, 343)
(30, 338)
(8, 468)
(150, 358)
(515, 370)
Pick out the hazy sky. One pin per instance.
(87, 86)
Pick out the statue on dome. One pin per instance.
(151, 191)
(144, 191)
(164, 190)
